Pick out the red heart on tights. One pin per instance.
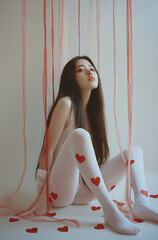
(79, 158)
(95, 208)
(113, 187)
(63, 229)
(54, 195)
(138, 220)
(154, 196)
(99, 226)
(95, 181)
(51, 214)
(145, 193)
(50, 200)
(32, 230)
(13, 219)
(131, 162)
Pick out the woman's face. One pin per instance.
(86, 76)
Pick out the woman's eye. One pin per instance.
(80, 70)
(92, 69)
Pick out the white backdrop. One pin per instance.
(145, 55)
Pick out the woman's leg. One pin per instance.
(77, 155)
(114, 170)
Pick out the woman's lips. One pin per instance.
(91, 78)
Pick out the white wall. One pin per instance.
(145, 52)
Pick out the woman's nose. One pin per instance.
(89, 72)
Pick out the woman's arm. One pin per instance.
(59, 120)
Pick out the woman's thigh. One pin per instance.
(64, 177)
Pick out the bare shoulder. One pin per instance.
(65, 104)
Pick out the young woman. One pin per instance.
(78, 150)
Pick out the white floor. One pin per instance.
(88, 220)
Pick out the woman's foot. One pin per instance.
(120, 223)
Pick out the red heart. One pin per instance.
(95, 208)
(113, 187)
(131, 162)
(154, 196)
(99, 226)
(120, 204)
(138, 220)
(54, 195)
(95, 181)
(13, 219)
(79, 158)
(51, 214)
(63, 229)
(50, 200)
(145, 193)
(32, 230)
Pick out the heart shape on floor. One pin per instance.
(79, 158)
(119, 204)
(154, 196)
(138, 220)
(51, 214)
(96, 181)
(14, 219)
(32, 230)
(99, 226)
(145, 193)
(95, 208)
(63, 229)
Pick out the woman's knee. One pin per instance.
(62, 203)
(135, 152)
(80, 134)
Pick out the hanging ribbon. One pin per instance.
(52, 41)
(129, 92)
(62, 35)
(79, 40)
(98, 32)
(90, 42)
(45, 83)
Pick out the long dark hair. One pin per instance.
(95, 108)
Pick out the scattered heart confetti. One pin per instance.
(79, 158)
(145, 193)
(138, 220)
(113, 187)
(14, 219)
(63, 229)
(120, 204)
(154, 196)
(99, 226)
(51, 214)
(54, 195)
(95, 208)
(32, 230)
(96, 181)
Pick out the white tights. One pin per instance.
(76, 158)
